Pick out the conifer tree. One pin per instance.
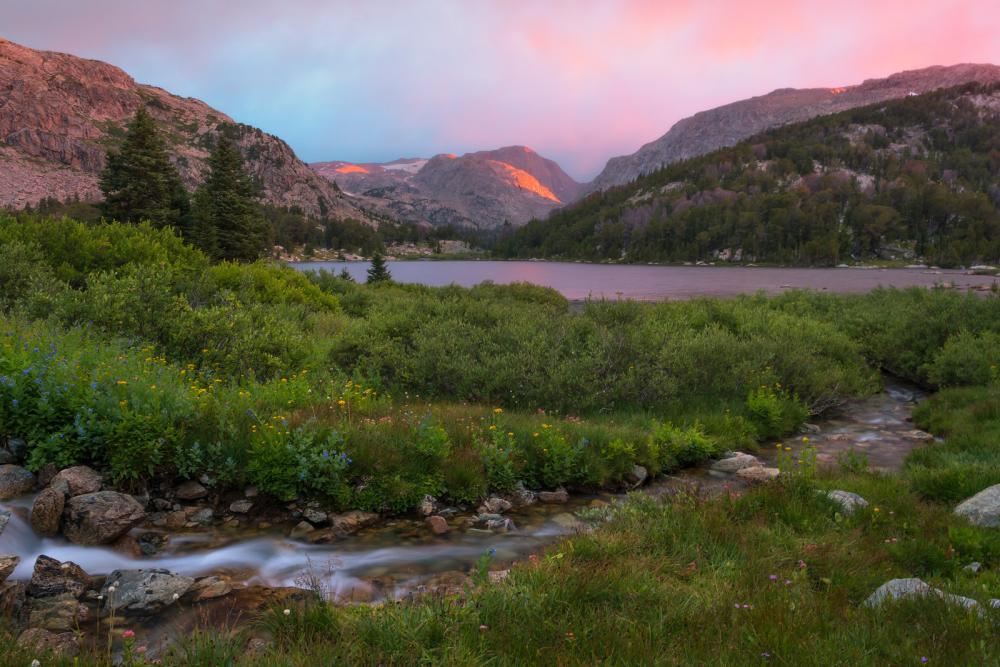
(229, 222)
(140, 182)
(378, 272)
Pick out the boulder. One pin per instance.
(79, 480)
(898, 589)
(301, 530)
(495, 505)
(568, 521)
(12, 598)
(735, 462)
(59, 613)
(7, 566)
(496, 522)
(143, 592)
(47, 474)
(209, 588)
(849, 502)
(42, 641)
(54, 578)
(203, 517)
(558, 496)
(351, 522)
(15, 481)
(758, 474)
(438, 525)
(101, 517)
(191, 490)
(47, 510)
(4, 519)
(241, 506)
(18, 447)
(637, 475)
(982, 509)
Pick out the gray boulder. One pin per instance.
(758, 474)
(849, 502)
(4, 519)
(637, 475)
(982, 509)
(558, 496)
(42, 641)
(735, 462)
(495, 505)
(101, 517)
(241, 506)
(143, 592)
(15, 481)
(46, 512)
(900, 589)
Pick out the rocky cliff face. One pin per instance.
(59, 114)
(484, 189)
(727, 125)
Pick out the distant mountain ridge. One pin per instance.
(59, 114)
(485, 189)
(726, 125)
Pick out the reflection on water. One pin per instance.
(651, 283)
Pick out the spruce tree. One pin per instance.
(229, 222)
(140, 182)
(378, 272)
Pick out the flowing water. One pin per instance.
(400, 555)
(578, 280)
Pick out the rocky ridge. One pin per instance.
(729, 124)
(59, 114)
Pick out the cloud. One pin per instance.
(578, 80)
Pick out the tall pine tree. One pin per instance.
(140, 182)
(229, 223)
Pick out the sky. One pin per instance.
(577, 80)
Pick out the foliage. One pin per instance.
(378, 272)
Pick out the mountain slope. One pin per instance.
(483, 190)
(60, 113)
(917, 177)
(726, 125)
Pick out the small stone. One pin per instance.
(202, 517)
(438, 524)
(758, 474)
(917, 435)
(522, 497)
(427, 506)
(15, 481)
(241, 506)
(151, 544)
(849, 502)
(350, 522)
(209, 588)
(974, 567)
(301, 530)
(18, 447)
(42, 641)
(4, 519)
(191, 490)
(7, 566)
(495, 505)
(79, 479)
(314, 516)
(637, 475)
(250, 492)
(735, 462)
(556, 497)
(497, 576)
(162, 504)
(46, 512)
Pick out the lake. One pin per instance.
(654, 283)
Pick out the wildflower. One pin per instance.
(510, 434)
(773, 577)
(497, 411)
(128, 634)
(341, 402)
(121, 382)
(570, 636)
(805, 440)
(788, 449)
(287, 612)
(924, 658)
(802, 565)
(788, 582)
(177, 596)
(484, 628)
(35, 663)
(493, 552)
(535, 434)
(876, 510)
(140, 649)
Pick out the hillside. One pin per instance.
(915, 178)
(726, 125)
(59, 114)
(483, 190)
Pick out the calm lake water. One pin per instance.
(652, 283)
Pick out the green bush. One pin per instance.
(966, 359)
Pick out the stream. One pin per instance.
(401, 556)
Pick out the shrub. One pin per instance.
(966, 359)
